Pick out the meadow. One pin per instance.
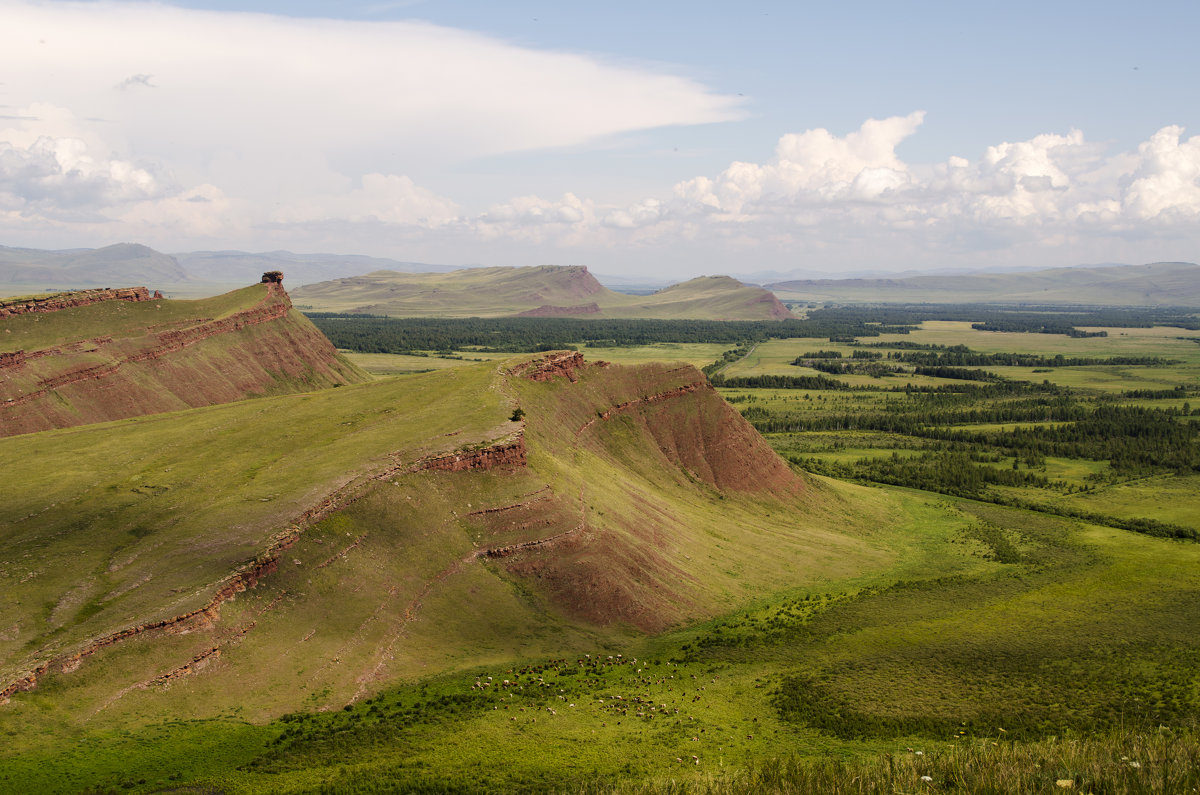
(1034, 625)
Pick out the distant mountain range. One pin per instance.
(131, 263)
(27, 270)
(122, 264)
(1156, 284)
(541, 291)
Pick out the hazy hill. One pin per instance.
(1160, 283)
(543, 291)
(305, 551)
(73, 358)
(123, 263)
(238, 266)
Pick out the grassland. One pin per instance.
(855, 637)
(117, 319)
(797, 422)
(383, 364)
(966, 653)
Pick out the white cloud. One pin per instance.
(399, 91)
(532, 219)
(129, 120)
(1166, 185)
(65, 173)
(1050, 181)
(853, 195)
(385, 198)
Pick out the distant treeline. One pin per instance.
(777, 382)
(962, 356)
(529, 334)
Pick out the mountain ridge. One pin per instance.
(401, 509)
(1158, 283)
(539, 291)
(77, 358)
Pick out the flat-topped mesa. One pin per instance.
(10, 307)
(563, 363)
(217, 350)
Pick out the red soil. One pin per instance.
(509, 454)
(27, 306)
(167, 370)
(546, 367)
(662, 424)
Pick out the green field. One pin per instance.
(1028, 616)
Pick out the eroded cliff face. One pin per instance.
(267, 348)
(544, 368)
(503, 454)
(54, 303)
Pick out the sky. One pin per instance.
(644, 139)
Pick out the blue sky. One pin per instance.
(669, 139)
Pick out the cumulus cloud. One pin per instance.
(1166, 185)
(64, 174)
(532, 219)
(1051, 181)
(813, 166)
(853, 194)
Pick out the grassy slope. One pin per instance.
(1017, 621)
(110, 525)
(286, 354)
(1088, 629)
(497, 292)
(200, 492)
(118, 319)
(1170, 283)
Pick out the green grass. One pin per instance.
(828, 636)
(204, 490)
(118, 319)
(982, 665)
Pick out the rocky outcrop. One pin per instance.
(505, 454)
(777, 309)
(268, 310)
(53, 303)
(512, 549)
(655, 398)
(544, 368)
